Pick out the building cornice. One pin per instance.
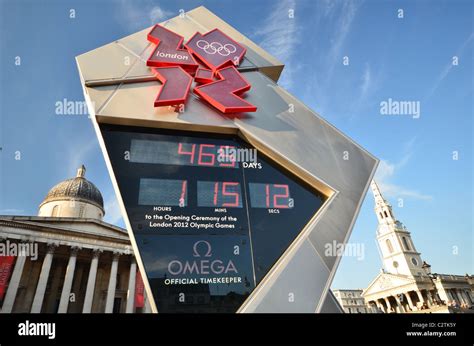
(49, 232)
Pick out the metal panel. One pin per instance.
(108, 62)
(331, 305)
(295, 290)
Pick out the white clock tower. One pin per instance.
(398, 252)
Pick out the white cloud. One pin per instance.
(113, 215)
(157, 14)
(447, 69)
(368, 85)
(138, 16)
(279, 36)
(387, 171)
(331, 25)
(342, 25)
(366, 82)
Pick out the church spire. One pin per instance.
(397, 249)
(377, 194)
(383, 209)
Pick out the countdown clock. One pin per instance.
(208, 228)
(213, 231)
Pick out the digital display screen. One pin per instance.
(270, 196)
(182, 153)
(163, 192)
(219, 194)
(209, 222)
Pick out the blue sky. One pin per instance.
(405, 59)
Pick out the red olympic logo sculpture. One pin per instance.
(209, 59)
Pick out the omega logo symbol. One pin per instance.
(216, 47)
(195, 248)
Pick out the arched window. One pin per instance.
(389, 245)
(55, 210)
(405, 244)
(385, 212)
(381, 215)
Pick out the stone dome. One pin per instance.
(78, 188)
(77, 192)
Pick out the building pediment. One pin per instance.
(387, 281)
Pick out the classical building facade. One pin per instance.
(406, 283)
(67, 259)
(351, 301)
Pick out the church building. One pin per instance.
(406, 284)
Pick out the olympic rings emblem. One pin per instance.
(216, 47)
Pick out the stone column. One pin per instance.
(370, 306)
(389, 306)
(43, 280)
(453, 293)
(131, 286)
(468, 296)
(420, 297)
(459, 294)
(109, 305)
(13, 285)
(374, 307)
(379, 305)
(428, 296)
(449, 295)
(399, 305)
(87, 308)
(464, 296)
(71, 266)
(410, 302)
(382, 306)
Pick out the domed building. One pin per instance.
(67, 259)
(76, 197)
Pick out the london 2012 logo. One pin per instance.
(210, 60)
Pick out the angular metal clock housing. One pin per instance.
(297, 145)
